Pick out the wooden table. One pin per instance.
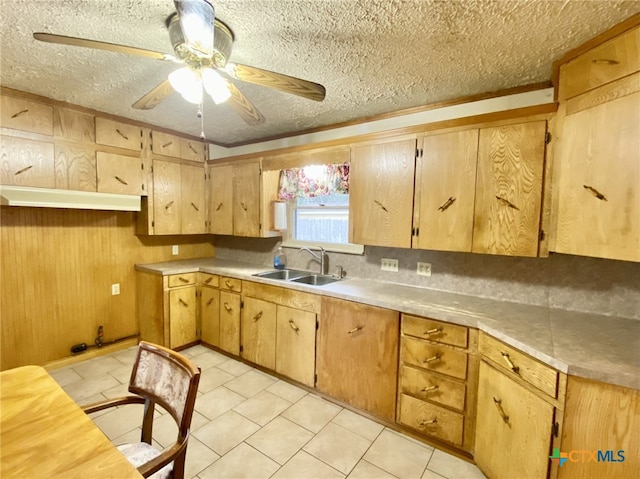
(45, 434)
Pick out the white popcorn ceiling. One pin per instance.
(373, 56)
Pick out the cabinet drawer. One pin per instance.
(230, 284)
(436, 331)
(192, 150)
(176, 280)
(424, 385)
(212, 280)
(121, 135)
(434, 358)
(605, 63)
(516, 363)
(26, 115)
(431, 419)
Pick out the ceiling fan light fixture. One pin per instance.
(196, 22)
(215, 86)
(188, 83)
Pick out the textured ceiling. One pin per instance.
(373, 56)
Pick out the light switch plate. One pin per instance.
(424, 269)
(387, 264)
(175, 249)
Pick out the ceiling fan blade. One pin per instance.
(110, 47)
(296, 86)
(154, 97)
(243, 107)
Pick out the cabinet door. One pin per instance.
(599, 188)
(75, 168)
(258, 329)
(26, 115)
(121, 135)
(192, 150)
(296, 344)
(221, 200)
(210, 316)
(182, 316)
(230, 322)
(74, 125)
(165, 144)
(119, 174)
(357, 359)
(193, 199)
(445, 191)
(246, 199)
(381, 194)
(509, 189)
(26, 162)
(166, 198)
(512, 419)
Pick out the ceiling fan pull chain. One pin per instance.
(200, 115)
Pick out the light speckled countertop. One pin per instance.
(604, 348)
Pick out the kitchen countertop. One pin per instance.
(593, 346)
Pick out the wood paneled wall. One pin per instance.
(56, 271)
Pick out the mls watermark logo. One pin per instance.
(586, 456)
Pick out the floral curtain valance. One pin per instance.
(314, 180)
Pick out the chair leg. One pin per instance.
(178, 466)
(147, 422)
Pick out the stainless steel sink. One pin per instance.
(315, 280)
(282, 274)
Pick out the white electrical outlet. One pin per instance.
(175, 249)
(424, 269)
(115, 289)
(387, 264)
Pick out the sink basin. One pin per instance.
(315, 280)
(283, 274)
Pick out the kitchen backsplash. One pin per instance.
(561, 281)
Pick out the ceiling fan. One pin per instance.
(203, 44)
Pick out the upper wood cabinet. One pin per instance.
(119, 174)
(597, 165)
(381, 193)
(118, 134)
(172, 145)
(246, 199)
(75, 168)
(74, 125)
(27, 162)
(26, 115)
(221, 200)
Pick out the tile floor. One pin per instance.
(248, 424)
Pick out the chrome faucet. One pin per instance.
(323, 258)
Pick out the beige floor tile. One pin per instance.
(280, 439)
(226, 432)
(120, 420)
(199, 457)
(312, 413)
(81, 390)
(262, 407)
(217, 402)
(287, 391)
(398, 455)
(65, 376)
(165, 430)
(117, 391)
(234, 367)
(366, 470)
(209, 359)
(212, 378)
(243, 462)
(432, 475)
(194, 351)
(305, 466)
(360, 425)
(338, 447)
(126, 356)
(95, 368)
(122, 374)
(450, 466)
(94, 399)
(198, 420)
(250, 383)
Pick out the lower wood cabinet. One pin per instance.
(296, 344)
(209, 309)
(258, 337)
(230, 322)
(357, 358)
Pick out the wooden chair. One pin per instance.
(164, 377)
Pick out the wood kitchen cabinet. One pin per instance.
(246, 199)
(230, 304)
(120, 174)
(357, 356)
(177, 147)
(26, 162)
(296, 344)
(258, 332)
(209, 308)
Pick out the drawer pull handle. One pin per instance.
(183, 303)
(433, 331)
(447, 203)
(430, 388)
(167, 144)
(512, 366)
(26, 168)
(355, 330)
(434, 358)
(605, 61)
(429, 421)
(192, 148)
(257, 316)
(227, 307)
(184, 280)
(243, 206)
(219, 206)
(20, 113)
(594, 192)
(503, 415)
(210, 301)
(195, 207)
(506, 202)
(381, 206)
(228, 284)
(208, 280)
(293, 326)
(168, 205)
(121, 134)
(121, 180)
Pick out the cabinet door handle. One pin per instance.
(430, 388)
(228, 284)
(433, 331)
(447, 203)
(219, 206)
(428, 421)
(433, 358)
(184, 280)
(192, 148)
(503, 415)
(227, 307)
(121, 180)
(381, 206)
(20, 113)
(121, 134)
(167, 144)
(210, 301)
(26, 168)
(595, 192)
(208, 280)
(355, 330)
(512, 366)
(293, 326)
(604, 61)
(244, 206)
(506, 202)
(194, 206)
(168, 205)
(257, 316)
(183, 303)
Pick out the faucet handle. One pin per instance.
(339, 272)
